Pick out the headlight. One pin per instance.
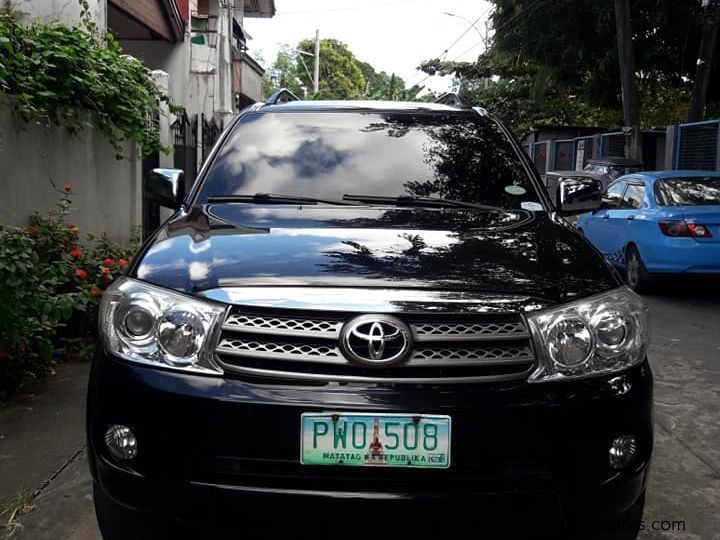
(151, 325)
(594, 336)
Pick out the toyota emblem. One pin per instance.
(376, 340)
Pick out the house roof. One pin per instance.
(146, 19)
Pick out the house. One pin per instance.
(200, 44)
(197, 51)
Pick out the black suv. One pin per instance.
(367, 318)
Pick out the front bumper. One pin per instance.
(223, 448)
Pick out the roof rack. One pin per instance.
(282, 96)
(451, 98)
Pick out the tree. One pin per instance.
(342, 75)
(626, 52)
(558, 62)
(705, 61)
(283, 73)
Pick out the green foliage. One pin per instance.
(61, 76)
(51, 288)
(283, 73)
(342, 76)
(556, 63)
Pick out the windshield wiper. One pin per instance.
(411, 200)
(271, 198)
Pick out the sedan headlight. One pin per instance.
(151, 325)
(594, 336)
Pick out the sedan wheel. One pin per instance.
(636, 274)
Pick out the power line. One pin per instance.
(348, 8)
(534, 6)
(447, 49)
(458, 56)
(468, 50)
(472, 25)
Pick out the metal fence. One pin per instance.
(697, 146)
(211, 131)
(539, 155)
(184, 132)
(612, 145)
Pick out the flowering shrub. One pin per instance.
(51, 283)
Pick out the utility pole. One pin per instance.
(316, 74)
(698, 101)
(626, 53)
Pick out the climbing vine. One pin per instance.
(64, 76)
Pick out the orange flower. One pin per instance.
(76, 253)
(31, 231)
(122, 262)
(74, 229)
(108, 262)
(68, 187)
(95, 292)
(80, 274)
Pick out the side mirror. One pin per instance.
(579, 195)
(166, 187)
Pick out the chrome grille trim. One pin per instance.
(318, 377)
(281, 351)
(330, 329)
(438, 331)
(328, 354)
(283, 326)
(476, 355)
(304, 345)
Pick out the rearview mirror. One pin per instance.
(579, 195)
(166, 187)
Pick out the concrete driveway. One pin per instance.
(42, 437)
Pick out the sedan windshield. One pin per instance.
(688, 191)
(325, 155)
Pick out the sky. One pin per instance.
(392, 35)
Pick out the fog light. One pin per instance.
(623, 451)
(121, 442)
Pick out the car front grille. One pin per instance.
(303, 345)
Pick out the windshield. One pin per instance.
(330, 154)
(687, 191)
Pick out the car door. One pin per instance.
(595, 225)
(622, 220)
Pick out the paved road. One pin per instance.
(685, 480)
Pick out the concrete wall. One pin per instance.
(64, 11)
(36, 161)
(172, 58)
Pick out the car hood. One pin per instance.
(235, 245)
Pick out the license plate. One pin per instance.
(375, 440)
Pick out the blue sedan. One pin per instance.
(658, 223)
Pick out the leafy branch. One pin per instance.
(59, 75)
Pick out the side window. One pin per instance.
(634, 196)
(613, 195)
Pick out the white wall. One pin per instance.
(106, 192)
(64, 11)
(172, 58)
